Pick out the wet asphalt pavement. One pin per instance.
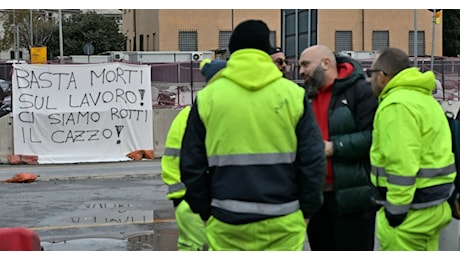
(161, 233)
(158, 235)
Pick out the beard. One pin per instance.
(314, 84)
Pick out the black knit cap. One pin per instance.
(250, 34)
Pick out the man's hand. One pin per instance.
(395, 219)
(328, 148)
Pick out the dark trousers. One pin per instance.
(330, 231)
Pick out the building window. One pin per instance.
(13, 54)
(299, 31)
(343, 41)
(380, 40)
(224, 39)
(188, 41)
(273, 38)
(420, 43)
(134, 44)
(148, 43)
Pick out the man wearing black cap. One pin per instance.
(279, 59)
(252, 158)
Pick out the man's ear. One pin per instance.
(382, 78)
(326, 63)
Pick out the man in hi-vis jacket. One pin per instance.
(413, 165)
(190, 227)
(252, 157)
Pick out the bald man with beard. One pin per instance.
(344, 106)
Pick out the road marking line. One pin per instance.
(103, 225)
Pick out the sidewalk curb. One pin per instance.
(86, 171)
(109, 177)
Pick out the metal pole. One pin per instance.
(232, 19)
(432, 40)
(31, 30)
(61, 43)
(309, 28)
(296, 45)
(191, 80)
(442, 79)
(415, 38)
(362, 30)
(16, 43)
(283, 30)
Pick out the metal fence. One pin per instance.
(446, 69)
(176, 84)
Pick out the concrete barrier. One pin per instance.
(161, 121)
(6, 137)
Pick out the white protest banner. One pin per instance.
(81, 113)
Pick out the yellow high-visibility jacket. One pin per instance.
(411, 153)
(170, 172)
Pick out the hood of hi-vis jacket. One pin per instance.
(251, 85)
(252, 69)
(412, 79)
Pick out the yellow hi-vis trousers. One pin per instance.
(280, 233)
(420, 231)
(192, 234)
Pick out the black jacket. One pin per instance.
(351, 114)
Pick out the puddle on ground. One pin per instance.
(87, 244)
(163, 240)
(163, 237)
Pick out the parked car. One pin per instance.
(5, 85)
(5, 97)
(17, 61)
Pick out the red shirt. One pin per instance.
(320, 105)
